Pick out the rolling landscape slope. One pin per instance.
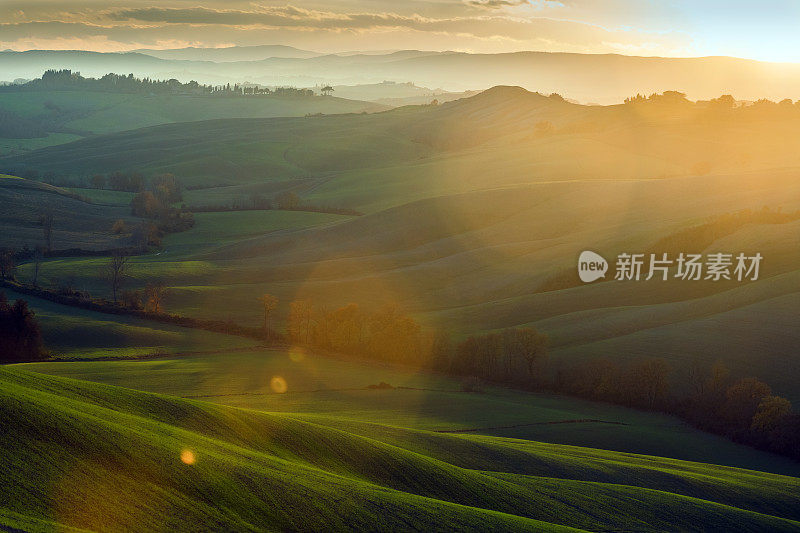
(381, 323)
(79, 334)
(68, 115)
(422, 266)
(503, 136)
(175, 462)
(76, 222)
(476, 194)
(344, 393)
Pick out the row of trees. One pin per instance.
(117, 272)
(67, 80)
(286, 200)
(512, 356)
(708, 396)
(744, 409)
(137, 182)
(724, 103)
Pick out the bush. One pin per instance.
(20, 336)
(380, 386)
(132, 299)
(119, 227)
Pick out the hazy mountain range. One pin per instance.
(584, 77)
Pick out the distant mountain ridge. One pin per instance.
(588, 78)
(232, 53)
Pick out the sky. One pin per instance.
(764, 30)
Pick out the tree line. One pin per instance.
(286, 201)
(67, 80)
(708, 396)
(725, 105)
(744, 409)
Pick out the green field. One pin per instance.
(72, 333)
(330, 391)
(214, 230)
(76, 114)
(115, 457)
(222, 369)
(469, 208)
(15, 146)
(104, 196)
(467, 195)
(76, 223)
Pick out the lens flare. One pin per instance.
(278, 384)
(297, 354)
(187, 456)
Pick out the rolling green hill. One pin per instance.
(112, 458)
(472, 206)
(332, 391)
(76, 223)
(73, 333)
(69, 115)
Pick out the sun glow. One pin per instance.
(187, 456)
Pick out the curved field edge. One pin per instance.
(101, 457)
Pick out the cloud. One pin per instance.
(461, 26)
(496, 4)
(483, 26)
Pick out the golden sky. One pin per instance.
(764, 30)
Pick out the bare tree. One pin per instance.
(531, 346)
(38, 255)
(287, 200)
(115, 271)
(154, 296)
(300, 312)
(649, 380)
(7, 263)
(46, 221)
(269, 302)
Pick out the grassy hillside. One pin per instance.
(492, 139)
(68, 115)
(179, 463)
(331, 391)
(76, 223)
(232, 152)
(471, 207)
(72, 333)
